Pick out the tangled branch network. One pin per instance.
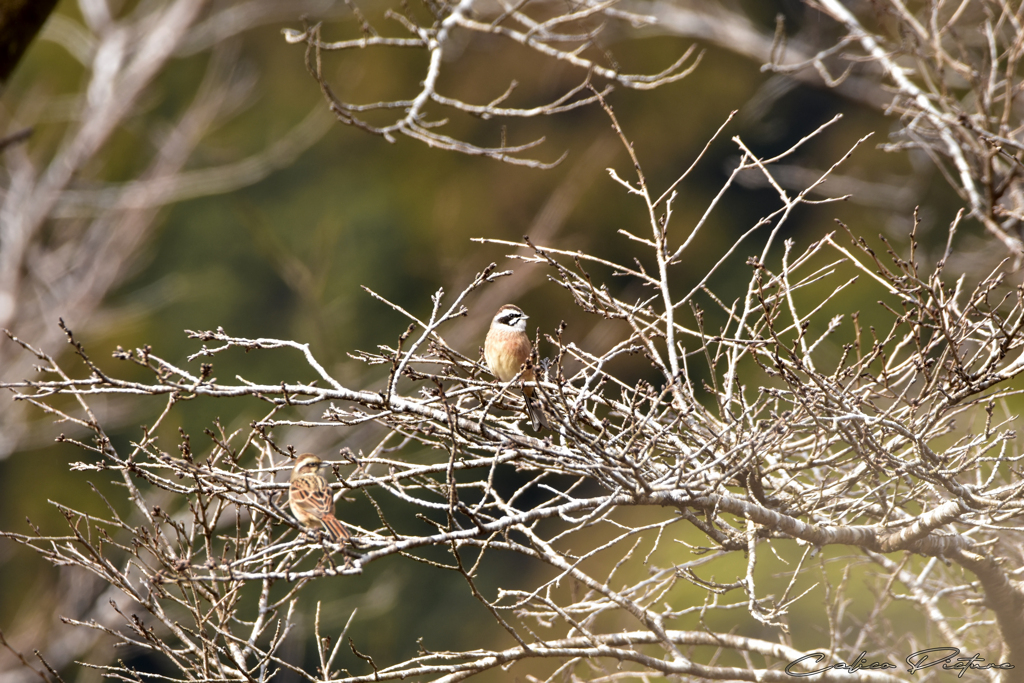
(774, 441)
(571, 37)
(959, 104)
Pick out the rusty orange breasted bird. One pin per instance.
(506, 349)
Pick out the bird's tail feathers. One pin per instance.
(537, 417)
(336, 529)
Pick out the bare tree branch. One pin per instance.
(812, 436)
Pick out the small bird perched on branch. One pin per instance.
(506, 349)
(310, 500)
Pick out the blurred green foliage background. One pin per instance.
(285, 257)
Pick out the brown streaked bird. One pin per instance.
(506, 348)
(310, 500)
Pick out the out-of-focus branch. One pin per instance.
(940, 113)
(724, 26)
(957, 103)
(47, 273)
(20, 21)
(168, 188)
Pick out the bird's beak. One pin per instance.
(526, 317)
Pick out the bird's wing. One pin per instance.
(312, 493)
